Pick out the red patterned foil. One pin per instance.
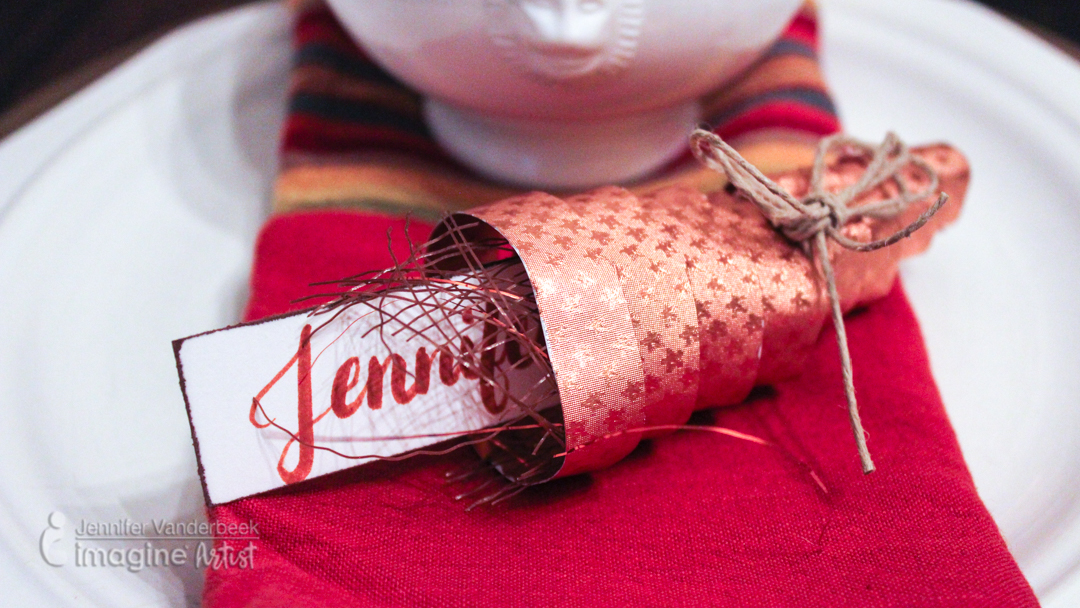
(657, 305)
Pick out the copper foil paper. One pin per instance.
(657, 305)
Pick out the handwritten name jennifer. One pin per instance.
(451, 368)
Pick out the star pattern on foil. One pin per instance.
(651, 341)
(597, 324)
(675, 252)
(652, 383)
(753, 322)
(634, 391)
(616, 420)
(702, 309)
(541, 215)
(689, 334)
(677, 213)
(593, 402)
(613, 297)
(554, 258)
(646, 292)
(585, 280)
(689, 378)
(536, 231)
(610, 221)
(601, 237)
(611, 371)
(571, 303)
(543, 286)
(717, 329)
(524, 247)
(555, 333)
(799, 300)
(668, 315)
(613, 205)
(573, 225)
(683, 288)
(570, 380)
(625, 346)
(583, 357)
(672, 359)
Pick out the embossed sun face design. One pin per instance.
(566, 40)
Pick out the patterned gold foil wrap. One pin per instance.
(657, 305)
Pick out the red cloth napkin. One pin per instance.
(688, 519)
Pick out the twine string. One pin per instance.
(823, 214)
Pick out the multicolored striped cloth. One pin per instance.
(355, 136)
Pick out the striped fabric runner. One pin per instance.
(354, 136)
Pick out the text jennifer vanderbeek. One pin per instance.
(159, 544)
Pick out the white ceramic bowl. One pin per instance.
(564, 93)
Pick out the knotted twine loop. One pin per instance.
(822, 215)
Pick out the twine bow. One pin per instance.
(822, 215)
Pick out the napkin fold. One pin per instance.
(687, 519)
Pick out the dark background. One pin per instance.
(49, 48)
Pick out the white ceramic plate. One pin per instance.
(128, 213)
(997, 294)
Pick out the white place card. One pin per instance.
(358, 384)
